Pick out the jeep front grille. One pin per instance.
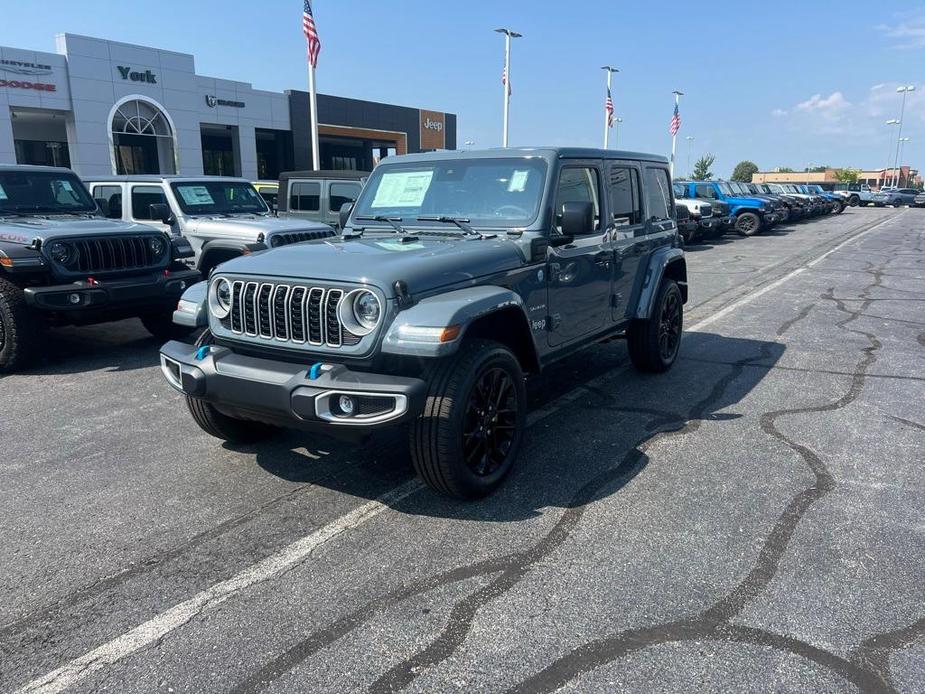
(706, 210)
(288, 313)
(94, 255)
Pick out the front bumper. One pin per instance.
(155, 289)
(291, 395)
(771, 218)
(709, 223)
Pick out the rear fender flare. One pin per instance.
(664, 262)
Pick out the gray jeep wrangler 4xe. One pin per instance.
(62, 262)
(457, 275)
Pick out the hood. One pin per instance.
(252, 225)
(423, 264)
(23, 230)
(740, 200)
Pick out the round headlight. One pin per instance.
(158, 246)
(220, 298)
(62, 252)
(360, 312)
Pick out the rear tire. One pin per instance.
(161, 326)
(466, 440)
(854, 201)
(231, 429)
(654, 343)
(19, 328)
(748, 224)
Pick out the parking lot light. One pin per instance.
(905, 89)
(506, 78)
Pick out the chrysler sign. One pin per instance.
(21, 68)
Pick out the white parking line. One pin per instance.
(162, 624)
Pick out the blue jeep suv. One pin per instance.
(751, 214)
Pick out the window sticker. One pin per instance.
(3, 194)
(400, 246)
(403, 189)
(518, 182)
(66, 185)
(196, 195)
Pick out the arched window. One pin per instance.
(142, 138)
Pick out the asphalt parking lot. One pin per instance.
(751, 521)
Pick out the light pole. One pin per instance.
(902, 109)
(690, 139)
(616, 133)
(608, 103)
(899, 173)
(469, 144)
(675, 126)
(506, 77)
(886, 169)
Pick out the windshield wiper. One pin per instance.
(461, 222)
(391, 221)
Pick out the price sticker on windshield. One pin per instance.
(518, 182)
(196, 195)
(403, 189)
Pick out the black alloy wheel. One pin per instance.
(490, 422)
(669, 327)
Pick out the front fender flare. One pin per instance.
(192, 309)
(458, 308)
(225, 245)
(658, 265)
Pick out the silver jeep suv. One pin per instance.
(221, 217)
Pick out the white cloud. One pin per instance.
(779, 112)
(909, 31)
(829, 106)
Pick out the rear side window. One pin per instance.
(112, 195)
(142, 199)
(706, 192)
(658, 194)
(624, 196)
(341, 193)
(305, 196)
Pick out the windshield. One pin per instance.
(679, 190)
(726, 188)
(218, 197)
(43, 192)
(487, 192)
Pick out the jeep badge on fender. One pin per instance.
(457, 275)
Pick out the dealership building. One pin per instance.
(102, 107)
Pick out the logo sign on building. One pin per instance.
(21, 68)
(433, 130)
(126, 73)
(213, 101)
(23, 84)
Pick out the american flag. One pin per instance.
(311, 34)
(675, 122)
(504, 79)
(608, 107)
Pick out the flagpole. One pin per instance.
(610, 71)
(508, 35)
(313, 102)
(674, 138)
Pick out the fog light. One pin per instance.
(346, 404)
(74, 298)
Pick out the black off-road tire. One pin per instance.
(748, 224)
(161, 326)
(221, 426)
(437, 440)
(19, 328)
(644, 338)
(854, 201)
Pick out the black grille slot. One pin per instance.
(315, 331)
(297, 314)
(264, 326)
(371, 405)
(280, 324)
(250, 309)
(236, 289)
(331, 321)
(287, 238)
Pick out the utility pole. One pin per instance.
(690, 139)
(506, 78)
(674, 127)
(608, 104)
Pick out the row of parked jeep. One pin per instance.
(709, 209)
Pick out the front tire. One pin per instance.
(748, 224)
(19, 328)
(467, 438)
(854, 201)
(654, 343)
(161, 326)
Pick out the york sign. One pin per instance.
(128, 74)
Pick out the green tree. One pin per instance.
(785, 169)
(847, 175)
(744, 170)
(702, 168)
(816, 169)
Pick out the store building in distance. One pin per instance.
(103, 107)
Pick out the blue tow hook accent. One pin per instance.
(202, 352)
(314, 371)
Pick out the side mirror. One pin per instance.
(103, 204)
(161, 212)
(577, 218)
(344, 214)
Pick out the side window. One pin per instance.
(706, 191)
(305, 196)
(340, 193)
(112, 195)
(142, 199)
(579, 184)
(624, 196)
(658, 194)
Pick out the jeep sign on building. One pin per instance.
(104, 108)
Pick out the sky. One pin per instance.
(779, 83)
